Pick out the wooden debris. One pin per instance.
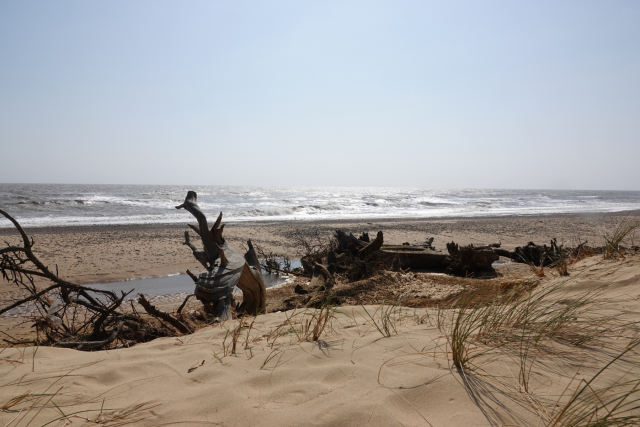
(163, 315)
(226, 268)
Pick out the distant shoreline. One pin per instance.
(83, 228)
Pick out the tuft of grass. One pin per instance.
(316, 322)
(562, 266)
(424, 319)
(231, 348)
(467, 322)
(523, 324)
(385, 318)
(624, 230)
(307, 325)
(30, 407)
(537, 271)
(590, 405)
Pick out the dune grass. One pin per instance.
(523, 323)
(55, 406)
(614, 403)
(625, 230)
(385, 317)
(549, 323)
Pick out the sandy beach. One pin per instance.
(354, 375)
(97, 254)
(333, 214)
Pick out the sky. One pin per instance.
(447, 94)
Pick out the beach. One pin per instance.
(332, 214)
(352, 376)
(108, 253)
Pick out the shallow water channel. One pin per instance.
(177, 283)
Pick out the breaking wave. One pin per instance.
(57, 205)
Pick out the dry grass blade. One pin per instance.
(35, 409)
(14, 401)
(307, 325)
(319, 323)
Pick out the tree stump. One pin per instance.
(226, 268)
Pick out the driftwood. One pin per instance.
(67, 314)
(321, 277)
(416, 257)
(542, 255)
(468, 260)
(358, 258)
(226, 268)
(163, 315)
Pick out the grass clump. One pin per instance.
(56, 406)
(624, 230)
(523, 323)
(590, 405)
(309, 324)
(384, 318)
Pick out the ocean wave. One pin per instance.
(267, 212)
(49, 205)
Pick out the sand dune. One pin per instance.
(353, 375)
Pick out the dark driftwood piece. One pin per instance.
(321, 277)
(539, 255)
(468, 260)
(359, 259)
(226, 268)
(155, 312)
(373, 246)
(416, 257)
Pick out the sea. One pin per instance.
(37, 205)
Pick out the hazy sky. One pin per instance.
(493, 94)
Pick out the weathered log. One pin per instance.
(539, 255)
(415, 257)
(534, 254)
(251, 284)
(348, 242)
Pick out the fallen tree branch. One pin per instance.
(184, 303)
(155, 312)
(29, 298)
(88, 345)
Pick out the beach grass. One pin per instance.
(624, 231)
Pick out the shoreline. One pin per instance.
(56, 229)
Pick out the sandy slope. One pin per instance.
(331, 382)
(351, 376)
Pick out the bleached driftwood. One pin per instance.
(226, 268)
